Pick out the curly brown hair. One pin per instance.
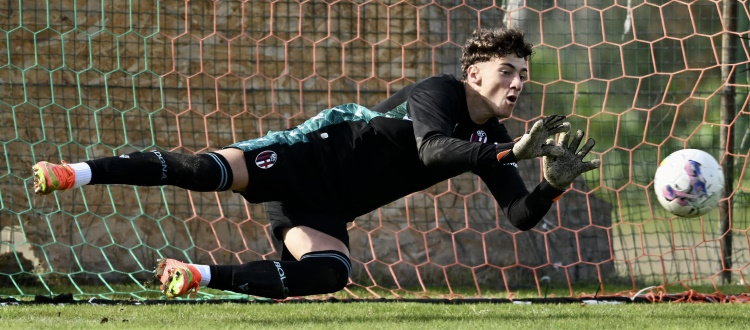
(486, 44)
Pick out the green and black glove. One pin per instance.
(560, 171)
(535, 144)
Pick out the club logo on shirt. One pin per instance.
(480, 136)
(266, 159)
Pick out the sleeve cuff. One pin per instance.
(546, 190)
(505, 153)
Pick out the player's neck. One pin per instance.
(479, 111)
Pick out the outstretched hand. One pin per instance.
(560, 171)
(535, 144)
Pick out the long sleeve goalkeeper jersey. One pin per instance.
(422, 135)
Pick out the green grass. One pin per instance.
(379, 316)
(134, 292)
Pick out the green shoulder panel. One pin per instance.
(343, 113)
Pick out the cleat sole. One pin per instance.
(159, 272)
(40, 182)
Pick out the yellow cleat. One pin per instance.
(177, 278)
(50, 177)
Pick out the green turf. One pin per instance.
(136, 292)
(379, 316)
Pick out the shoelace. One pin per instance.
(65, 175)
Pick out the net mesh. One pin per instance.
(89, 79)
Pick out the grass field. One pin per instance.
(378, 315)
(130, 292)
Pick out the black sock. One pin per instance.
(202, 172)
(315, 273)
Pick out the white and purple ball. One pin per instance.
(689, 182)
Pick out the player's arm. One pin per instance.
(433, 126)
(434, 123)
(524, 209)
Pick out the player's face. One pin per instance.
(499, 82)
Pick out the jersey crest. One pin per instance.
(480, 136)
(266, 159)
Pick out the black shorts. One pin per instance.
(280, 178)
(282, 215)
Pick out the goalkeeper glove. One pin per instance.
(533, 144)
(560, 171)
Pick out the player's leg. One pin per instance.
(236, 159)
(213, 171)
(315, 256)
(314, 261)
(302, 240)
(322, 266)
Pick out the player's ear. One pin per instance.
(472, 74)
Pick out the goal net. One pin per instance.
(87, 79)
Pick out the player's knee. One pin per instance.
(334, 266)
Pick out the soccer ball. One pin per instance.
(688, 183)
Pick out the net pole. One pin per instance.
(728, 57)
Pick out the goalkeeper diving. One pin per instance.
(349, 160)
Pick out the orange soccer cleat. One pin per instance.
(177, 278)
(49, 177)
